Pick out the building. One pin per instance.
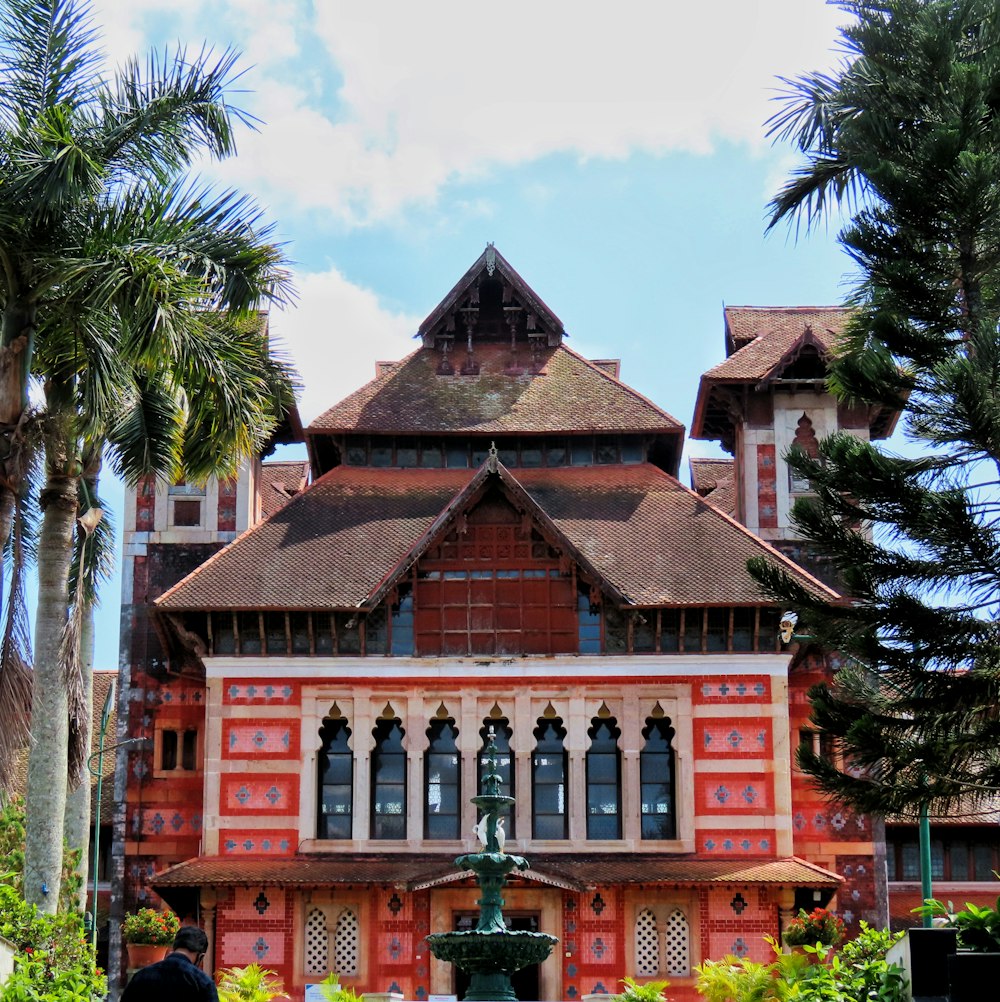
(494, 538)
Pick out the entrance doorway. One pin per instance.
(525, 982)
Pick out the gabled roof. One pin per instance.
(280, 481)
(647, 539)
(715, 480)
(492, 265)
(762, 344)
(550, 391)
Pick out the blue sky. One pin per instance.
(616, 156)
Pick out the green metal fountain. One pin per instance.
(491, 952)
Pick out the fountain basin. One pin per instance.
(480, 952)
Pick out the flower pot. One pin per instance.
(144, 954)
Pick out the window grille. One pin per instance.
(316, 943)
(647, 944)
(345, 943)
(678, 944)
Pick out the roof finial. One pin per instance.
(491, 458)
(491, 259)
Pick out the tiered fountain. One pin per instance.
(491, 952)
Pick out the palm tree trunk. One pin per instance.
(76, 827)
(47, 762)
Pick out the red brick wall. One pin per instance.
(767, 491)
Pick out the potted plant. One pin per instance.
(249, 984)
(977, 961)
(634, 991)
(148, 935)
(820, 927)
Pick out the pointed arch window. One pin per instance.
(502, 733)
(442, 782)
(316, 943)
(656, 780)
(346, 943)
(548, 781)
(805, 439)
(604, 787)
(388, 812)
(336, 781)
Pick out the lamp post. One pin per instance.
(98, 774)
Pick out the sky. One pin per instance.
(615, 154)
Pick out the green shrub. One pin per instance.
(651, 991)
(249, 984)
(978, 925)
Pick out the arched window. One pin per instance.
(388, 816)
(678, 944)
(316, 945)
(656, 780)
(336, 781)
(548, 781)
(345, 943)
(662, 941)
(442, 782)
(505, 761)
(604, 780)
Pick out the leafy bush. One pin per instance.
(54, 961)
(978, 926)
(249, 984)
(333, 991)
(651, 991)
(858, 973)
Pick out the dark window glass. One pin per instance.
(299, 622)
(357, 452)
(717, 632)
(223, 639)
(768, 638)
(480, 450)
(406, 452)
(604, 781)
(937, 859)
(890, 863)
(531, 455)
(507, 452)
(501, 738)
(632, 450)
(984, 862)
(388, 813)
(336, 781)
(958, 857)
(322, 632)
(615, 631)
(911, 861)
(274, 633)
(249, 632)
(555, 452)
(743, 629)
(189, 751)
(430, 455)
(168, 749)
(381, 452)
(402, 626)
(442, 782)
(656, 780)
(670, 629)
(692, 630)
(644, 631)
(607, 451)
(548, 768)
(457, 456)
(375, 631)
(589, 625)
(348, 634)
(581, 451)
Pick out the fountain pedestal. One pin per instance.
(491, 952)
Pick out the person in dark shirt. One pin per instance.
(177, 978)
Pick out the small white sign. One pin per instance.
(314, 993)
(442, 998)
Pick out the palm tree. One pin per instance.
(121, 282)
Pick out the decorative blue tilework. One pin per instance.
(248, 844)
(709, 844)
(266, 845)
(394, 904)
(395, 948)
(799, 821)
(599, 989)
(234, 691)
(394, 987)
(759, 688)
(571, 992)
(273, 795)
(230, 844)
(740, 948)
(232, 739)
(848, 917)
(157, 823)
(735, 739)
(745, 845)
(260, 948)
(706, 689)
(260, 903)
(421, 992)
(571, 926)
(283, 845)
(722, 794)
(598, 903)
(268, 691)
(749, 794)
(819, 821)
(708, 739)
(286, 739)
(597, 948)
(727, 844)
(765, 844)
(741, 689)
(177, 821)
(243, 794)
(739, 903)
(838, 821)
(762, 738)
(724, 689)
(571, 970)
(251, 691)
(260, 739)
(196, 821)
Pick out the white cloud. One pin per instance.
(334, 332)
(444, 90)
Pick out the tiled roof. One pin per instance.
(714, 480)
(573, 869)
(563, 393)
(652, 539)
(745, 323)
(755, 359)
(279, 483)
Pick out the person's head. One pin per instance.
(192, 940)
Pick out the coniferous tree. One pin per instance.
(906, 136)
